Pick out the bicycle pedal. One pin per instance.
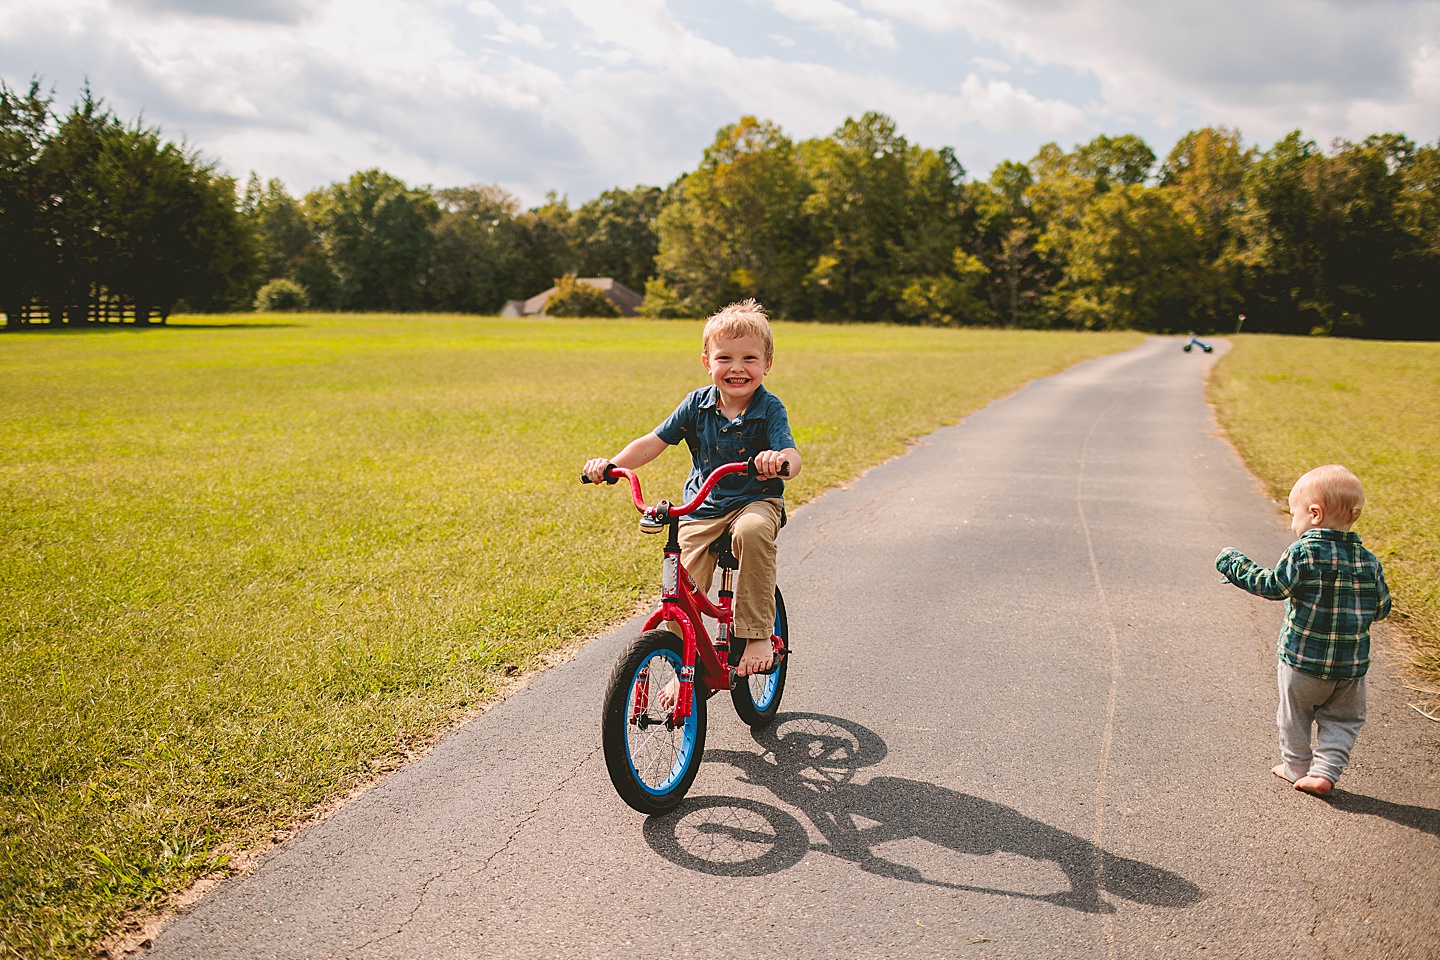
(781, 654)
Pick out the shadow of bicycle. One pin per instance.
(810, 762)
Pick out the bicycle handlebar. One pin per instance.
(614, 473)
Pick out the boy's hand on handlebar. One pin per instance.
(594, 470)
(769, 463)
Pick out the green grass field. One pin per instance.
(1292, 403)
(248, 562)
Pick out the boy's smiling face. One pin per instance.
(736, 366)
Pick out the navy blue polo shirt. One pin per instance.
(715, 440)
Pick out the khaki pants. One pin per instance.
(752, 537)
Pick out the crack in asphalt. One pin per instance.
(1318, 903)
(484, 864)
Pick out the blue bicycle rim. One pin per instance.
(683, 756)
(762, 698)
(770, 682)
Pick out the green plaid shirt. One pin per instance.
(1333, 589)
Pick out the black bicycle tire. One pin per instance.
(751, 715)
(614, 727)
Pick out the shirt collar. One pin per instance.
(1325, 533)
(711, 399)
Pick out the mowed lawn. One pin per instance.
(1292, 403)
(247, 562)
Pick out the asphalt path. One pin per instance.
(1024, 719)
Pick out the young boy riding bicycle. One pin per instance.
(732, 419)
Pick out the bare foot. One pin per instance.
(667, 696)
(1280, 771)
(759, 655)
(1319, 786)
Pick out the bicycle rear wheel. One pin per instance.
(651, 761)
(757, 697)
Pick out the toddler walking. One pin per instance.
(1333, 589)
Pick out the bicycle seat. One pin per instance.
(721, 545)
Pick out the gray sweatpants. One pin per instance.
(1336, 708)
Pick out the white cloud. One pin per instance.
(1265, 67)
(270, 11)
(834, 17)
(999, 106)
(991, 65)
(508, 31)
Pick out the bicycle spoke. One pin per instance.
(655, 747)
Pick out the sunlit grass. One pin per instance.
(245, 560)
(1292, 403)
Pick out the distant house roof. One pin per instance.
(627, 301)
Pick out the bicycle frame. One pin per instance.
(681, 602)
(684, 604)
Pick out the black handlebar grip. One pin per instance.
(750, 468)
(610, 478)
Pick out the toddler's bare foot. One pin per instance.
(1288, 776)
(667, 696)
(1313, 784)
(759, 655)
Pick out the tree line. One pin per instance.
(859, 225)
(100, 218)
(374, 243)
(863, 225)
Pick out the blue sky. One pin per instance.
(580, 95)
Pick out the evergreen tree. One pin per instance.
(24, 251)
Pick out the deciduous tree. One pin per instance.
(1064, 187)
(376, 232)
(888, 218)
(614, 235)
(287, 241)
(480, 249)
(734, 228)
(1135, 261)
(1004, 233)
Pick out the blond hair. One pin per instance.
(1336, 489)
(744, 319)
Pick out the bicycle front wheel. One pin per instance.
(651, 759)
(757, 697)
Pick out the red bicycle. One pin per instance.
(652, 725)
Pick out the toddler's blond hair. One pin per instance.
(744, 319)
(1336, 489)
